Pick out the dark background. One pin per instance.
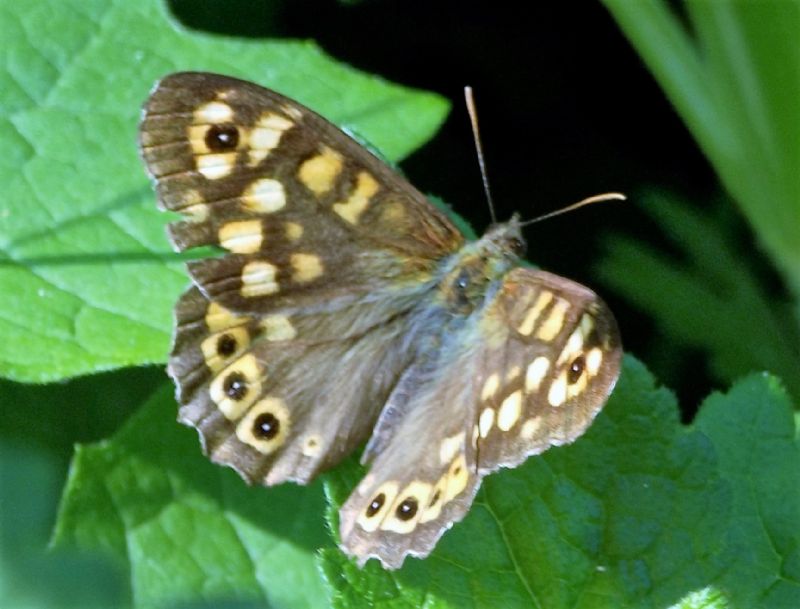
(566, 107)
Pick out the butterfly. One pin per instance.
(347, 308)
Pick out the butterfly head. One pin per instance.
(504, 240)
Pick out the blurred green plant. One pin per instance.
(732, 71)
(710, 297)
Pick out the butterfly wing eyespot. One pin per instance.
(321, 322)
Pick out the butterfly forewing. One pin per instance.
(299, 206)
(345, 306)
(547, 381)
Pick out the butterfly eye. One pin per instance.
(376, 504)
(517, 246)
(407, 508)
(222, 137)
(576, 369)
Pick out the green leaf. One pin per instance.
(732, 71)
(752, 429)
(710, 298)
(87, 280)
(640, 512)
(188, 529)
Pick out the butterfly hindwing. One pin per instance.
(274, 396)
(423, 474)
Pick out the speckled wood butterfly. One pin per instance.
(347, 307)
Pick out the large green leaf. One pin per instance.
(87, 281)
(190, 530)
(640, 512)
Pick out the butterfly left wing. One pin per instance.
(530, 371)
(423, 476)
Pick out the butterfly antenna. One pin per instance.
(476, 135)
(606, 196)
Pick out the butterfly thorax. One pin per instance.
(471, 272)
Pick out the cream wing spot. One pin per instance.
(307, 267)
(490, 386)
(219, 318)
(531, 317)
(535, 373)
(193, 207)
(593, 361)
(294, 231)
(380, 503)
(530, 427)
(259, 278)
(196, 213)
(213, 112)
(554, 322)
(319, 173)
(278, 327)
(587, 325)
(573, 347)
(486, 421)
(513, 373)
(266, 135)
(457, 478)
(435, 502)
(241, 237)
(295, 113)
(235, 388)
(450, 446)
(264, 196)
(406, 511)
(216, 166)
(312, 445)
(266, 425)
(392, 213)
(357, 202)
(509, 411)
(557, 394)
